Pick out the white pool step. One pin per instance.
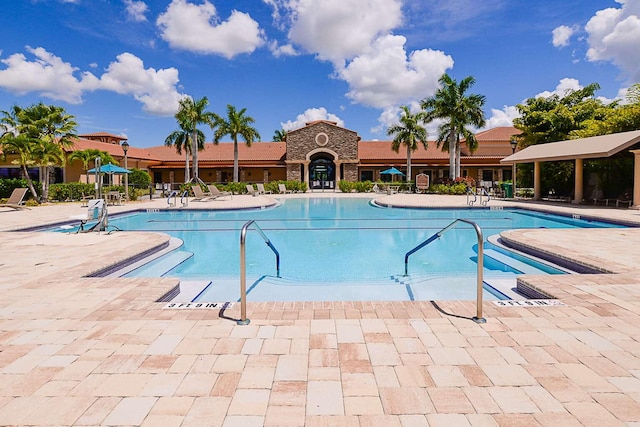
(162, 265)
(512, 262)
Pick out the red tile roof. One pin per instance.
(502, 133)
(381, 150)
(223, 152)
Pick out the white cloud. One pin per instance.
(311, 115)
(561, 35)
(565, 85)
(53, 78)
(282, 50)
(385, 76)
(502, 117)
(156, 90)
(136, 10)
(338, 29)
(613, 36)
(47, 74)
(198, 28)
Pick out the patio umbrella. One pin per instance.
(110, 170)
(391, 171)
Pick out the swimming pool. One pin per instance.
(327, 243)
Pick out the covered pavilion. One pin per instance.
(596, 147)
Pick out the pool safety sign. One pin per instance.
(198, 305)
(529, 303)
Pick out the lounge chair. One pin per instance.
(216, 193)
(261, 189)
(251, 190)
(283, 189)
(624, 199)
(16, 199)
(200, 195)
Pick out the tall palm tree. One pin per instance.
(235, 125)
(47, 154)
(191, 113)
(88, 155)
(21, 146)
(459, 110)
(409, 132)
(279, 135)
(181, 140)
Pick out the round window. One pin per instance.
(322, 139)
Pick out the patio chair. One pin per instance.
(624, 199)
(283, 189)
(16, 199)
(251, 190)
(200, 195)
(261, 189)
(216, 193)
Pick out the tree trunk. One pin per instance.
(29, 182)
(186, 167)
(458, 159)
(452, 155)
(235, 160)
(194, 153)
(408, 177)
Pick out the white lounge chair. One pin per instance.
(200, 195)
(283, 189)
(261, 189)
(16, 199)
(251, 190)
(216, 193)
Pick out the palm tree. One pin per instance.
(459, 110)
(47, 154)
(191, 113)
(180, 139)
(236, 125)
(88, 155)
(279, 135)
(409, 132)
(15, 142)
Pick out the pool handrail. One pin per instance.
(184, 199)
(479, 279)
(243, 270)
(484, 192)
(470, 192)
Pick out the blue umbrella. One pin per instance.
(111, 170)
(391, 171)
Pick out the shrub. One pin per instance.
(8, 185)
(71, 191)
(139, 179)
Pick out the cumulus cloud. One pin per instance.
(198, 28)
(311, 115)
(155, 89)
(47, 74)
(561, 89)
(561, 35)
(53, 78)
(613, 35)
(386, 76)
(282, 50)
(136, 10)
(338, 29)
(502, 117)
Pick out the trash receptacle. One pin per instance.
(508, 190)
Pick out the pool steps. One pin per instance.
(161, 266)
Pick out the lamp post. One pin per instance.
(514, 145)
(125, 148)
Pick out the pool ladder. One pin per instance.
(243, 268)
(483, 192)
(479, 279)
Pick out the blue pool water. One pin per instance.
(327, 242)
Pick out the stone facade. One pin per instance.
(311, 138)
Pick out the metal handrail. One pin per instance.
(484, 192)
(184, 199)
(479, 279)
(470, 192)
(243, 270)
(173, 194)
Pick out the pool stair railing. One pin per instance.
(243, 266)
(479, 280)
(172, 199)
(482, 192)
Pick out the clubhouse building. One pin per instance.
(320, 154)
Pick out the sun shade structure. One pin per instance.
(391, 171)
(110, 169)
(595, 147)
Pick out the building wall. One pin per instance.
(342, 141)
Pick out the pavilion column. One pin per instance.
(579, 182)
(636, 178)
(537, 190)
(338, 171)
(306, 172)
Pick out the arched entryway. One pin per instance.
(322, 171)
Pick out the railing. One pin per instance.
(479, 279)
(484, 192)
(184, 198)
(174, 195)
(470, 192)
(243, 269)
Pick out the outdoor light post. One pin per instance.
(514, 145)
(125, 148)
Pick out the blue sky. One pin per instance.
(121, 66)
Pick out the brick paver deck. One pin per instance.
(100, 351)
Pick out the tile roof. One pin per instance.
(381, 150)
(223, 152)
(102, 135)
(502, 133)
